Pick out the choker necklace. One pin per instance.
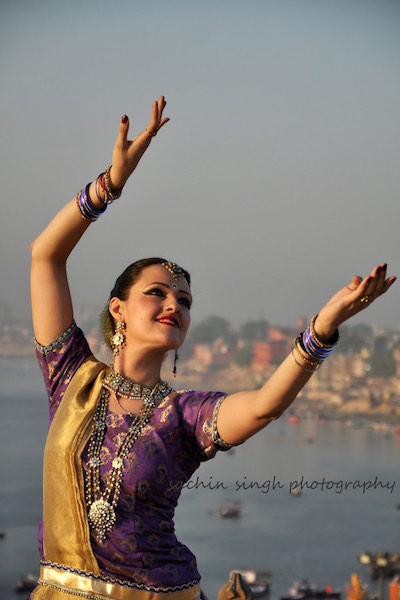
(101, 505)
(126, 388)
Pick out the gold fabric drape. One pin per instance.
(66, 534)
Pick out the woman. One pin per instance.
(121, 442)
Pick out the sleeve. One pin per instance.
(199, 412)
(59, 361)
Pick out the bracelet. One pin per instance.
(296, 344)
(302, 366)
(86, 208)
(111, 193)
(314, 346)
(331, 343)
(99, 198)
(312, 349)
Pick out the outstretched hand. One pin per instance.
(352, 299)
(127, 153)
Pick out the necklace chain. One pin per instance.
(101, 505)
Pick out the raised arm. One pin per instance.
(52, 310)
(242, 414)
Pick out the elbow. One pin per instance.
(39, 253)
(35, 250)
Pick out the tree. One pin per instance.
(254, 330)
(244, 355)
(383, 363)
(211, 328)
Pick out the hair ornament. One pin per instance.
(176, 271)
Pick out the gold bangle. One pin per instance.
(316, 364)
(302, 366)
(316, 339)
(84, 217)
(111, 193)
(304, 355)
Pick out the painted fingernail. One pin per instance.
(124, 119)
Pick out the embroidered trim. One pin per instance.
(60, 339)
(215, 435)
(137, 586)
(72, 592)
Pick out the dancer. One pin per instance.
(121, 442)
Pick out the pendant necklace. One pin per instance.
(102, 505)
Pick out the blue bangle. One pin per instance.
(88, 211)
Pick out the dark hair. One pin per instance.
(121, 290)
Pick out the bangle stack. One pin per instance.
(309, 351)
(110, 193)
(88, 211)
(86, 208)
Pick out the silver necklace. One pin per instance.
(102, 505)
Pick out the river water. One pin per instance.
(350, 480)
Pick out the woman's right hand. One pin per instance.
(127, 153)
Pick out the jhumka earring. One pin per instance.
(176, 357)
(118, 339)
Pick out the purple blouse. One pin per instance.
(181, 434)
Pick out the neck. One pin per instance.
(141, 367)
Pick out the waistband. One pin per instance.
(92, 587)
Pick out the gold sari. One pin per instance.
(70, 569)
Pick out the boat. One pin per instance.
(258, 580)
(26, 583)
(301, 590)
(230, 511)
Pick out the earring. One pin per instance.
(118, 339)
(176, 357)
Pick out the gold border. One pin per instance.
(95, 589)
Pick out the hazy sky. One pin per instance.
(277, 178)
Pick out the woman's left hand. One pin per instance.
(127, 153)
(351, 300)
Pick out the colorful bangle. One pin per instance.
(111, 193)
(314, 346)
(302, 366)
(300, 351)
(312, 349)
(86, 208)
(331, 343)
(96, 184)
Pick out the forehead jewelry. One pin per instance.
(174, 269)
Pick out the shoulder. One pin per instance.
(198, 412)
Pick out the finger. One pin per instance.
(161, 104)
(152, 126)
(165, 120)
(378, 278)
(388, 283)
(155, 113)
(356, 280)
(123, 130)
(364, 287)
(381, 278)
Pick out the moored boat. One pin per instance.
(258, 580)
(302, 590)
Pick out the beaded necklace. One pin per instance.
(102, 505)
